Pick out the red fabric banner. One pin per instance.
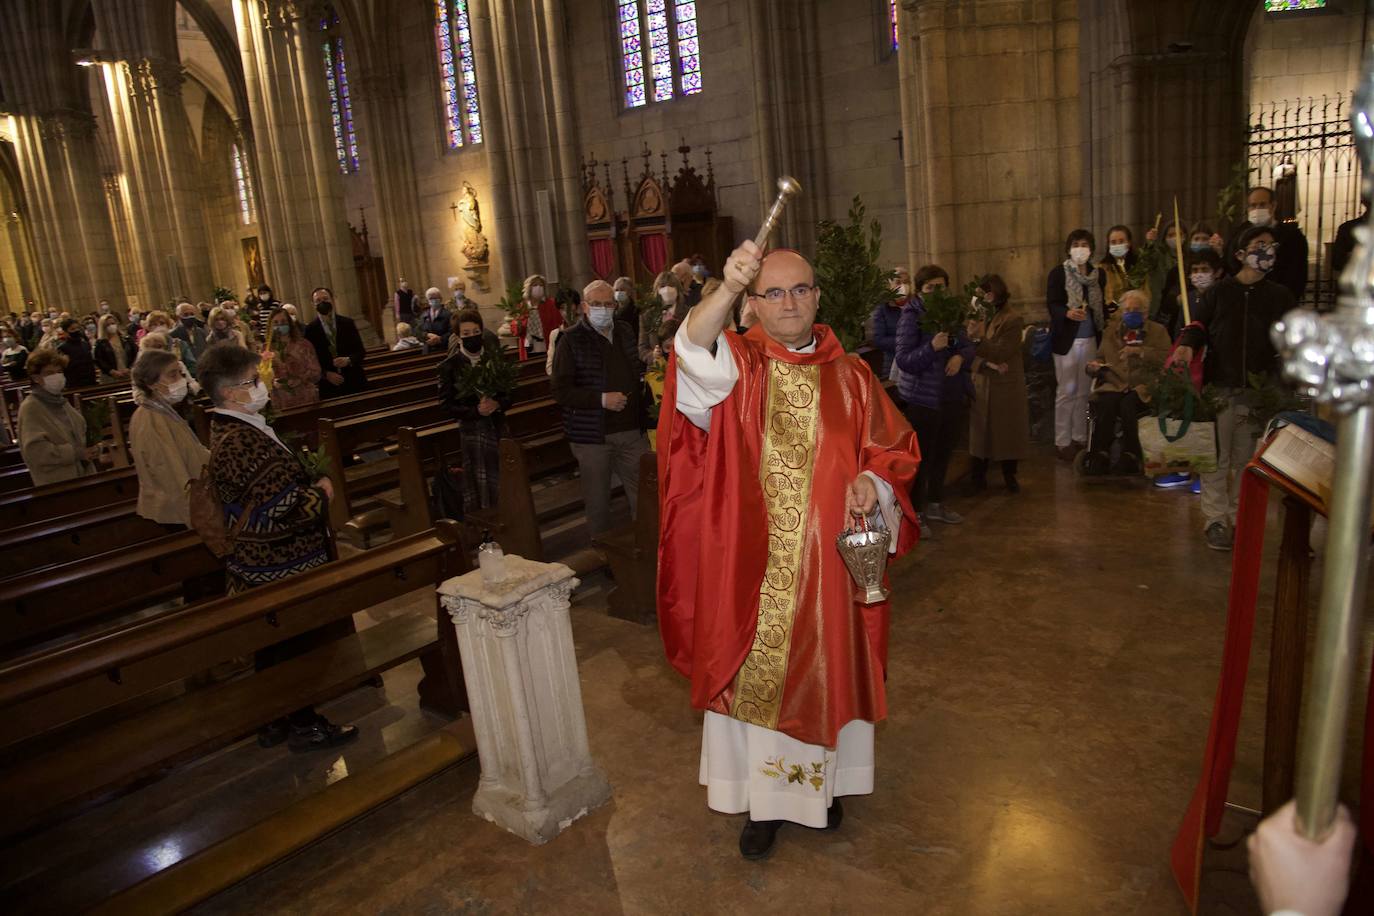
(653, 251)
(603, 258)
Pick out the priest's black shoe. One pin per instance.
(756, 840)
(835, 816)
(320, 734)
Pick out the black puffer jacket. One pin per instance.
(586, 366)
(1233, 321)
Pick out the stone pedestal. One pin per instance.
(515, 638)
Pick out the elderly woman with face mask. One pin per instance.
(52, 433)
(1133, 352)
(165, 449)
(284, 520)
(669, 304)
(544, 315)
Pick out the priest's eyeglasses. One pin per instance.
(775, 294)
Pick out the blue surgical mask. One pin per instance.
(1133, 320)
(1198, 246)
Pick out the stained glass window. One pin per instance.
(688, 60)
(457, 72)
(892, 23)
(1292, 6)
(632, 54)
(660, 49)
(340, 104)
(248, 206)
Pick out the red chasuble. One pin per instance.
(755, 604)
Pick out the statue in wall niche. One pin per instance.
(475, 246)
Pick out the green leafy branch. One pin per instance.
(947, 312)
(492, 376)
(849, 274)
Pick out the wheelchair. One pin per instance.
(1115, 451)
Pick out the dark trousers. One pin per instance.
(980, 468)
(1108, 407)
(300, 644)
(937, 432)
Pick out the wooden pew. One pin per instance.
(380, 429)
(632, 553)
(51, 500)
(342, 439)
(66, 743)
(50, 601)
(534, 449)
(420, 450)
(68, 538)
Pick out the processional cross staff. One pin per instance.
(1331, 358)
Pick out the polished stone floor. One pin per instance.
(1052, 669)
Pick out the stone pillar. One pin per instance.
(51, 127)
(305, 240)
(1162, 107)
(515, 638)
(991, 128)
(530, 139)
(788, 115)
(379, 104)
(156, 153)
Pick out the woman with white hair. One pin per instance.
(433, 325)
(543, 314)
(165, 450)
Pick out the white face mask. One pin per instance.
(536, 292)
(177, 393)
(1260, 216)
(458, 295)
(1202, 281)
(601, 318)
(54, 383)
(622, 296)
(668, 294)
(903, 290)
(257, 397)
(1118, 250)
(1080, 254)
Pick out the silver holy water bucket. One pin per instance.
(865, 553)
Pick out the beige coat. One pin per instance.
(167, 454)
(1139, 370)
(52, 441)
(999, 424)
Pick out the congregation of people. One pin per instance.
(1115, 322)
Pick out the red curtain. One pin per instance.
(653, 251)
(603, 258)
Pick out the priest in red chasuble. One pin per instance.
(770, 444)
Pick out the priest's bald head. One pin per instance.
(785, 297)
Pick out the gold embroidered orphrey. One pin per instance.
(786, 468)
